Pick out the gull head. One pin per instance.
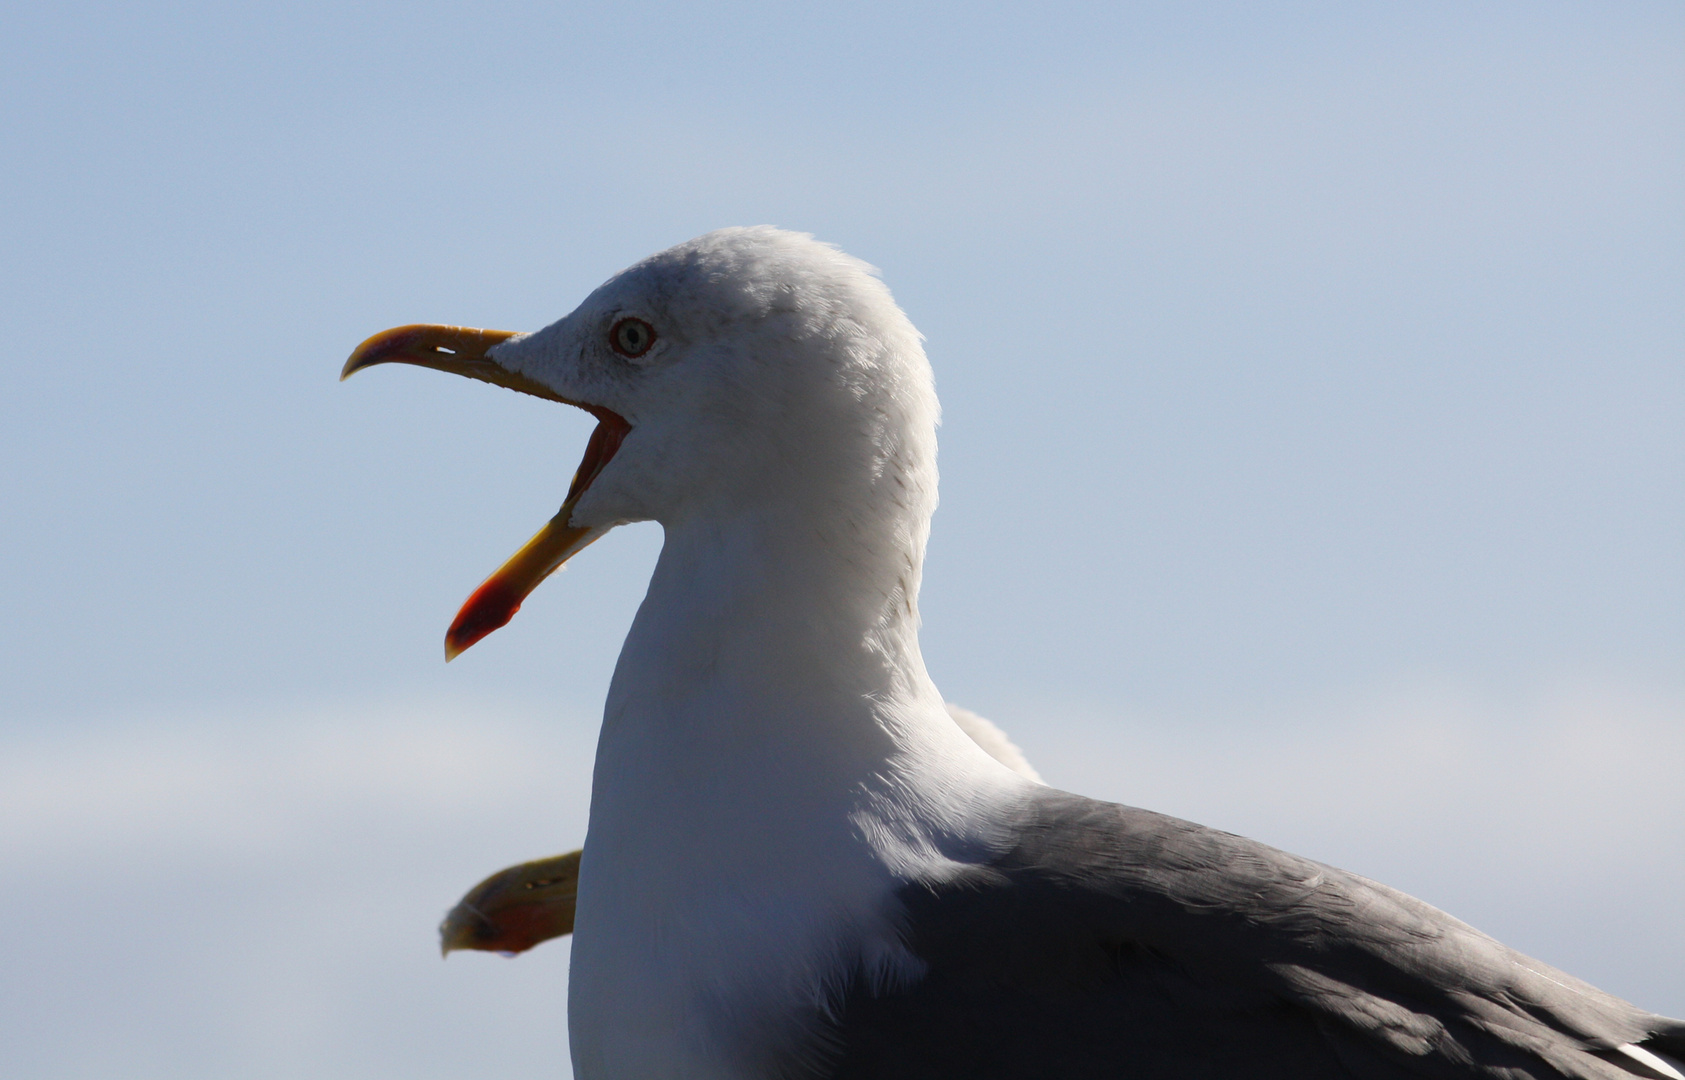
(748, 374)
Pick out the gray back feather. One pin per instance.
(1116, 942)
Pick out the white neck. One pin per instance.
(774, 762)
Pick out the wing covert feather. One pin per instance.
(1114, 942)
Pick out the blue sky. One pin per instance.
(1312, 460)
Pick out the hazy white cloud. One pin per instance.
(1586, 768)
(256, 895)
(145, 787)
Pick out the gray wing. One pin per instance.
(1115, 942)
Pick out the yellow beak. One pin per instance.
(516, 908)
(463, 350)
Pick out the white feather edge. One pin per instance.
(995, 742)
(1661, 1066)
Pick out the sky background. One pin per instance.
(1313, 461)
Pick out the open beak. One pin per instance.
(463, 350)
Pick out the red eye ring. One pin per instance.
(631, 337)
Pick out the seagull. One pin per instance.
(527, 904)
(798, 865)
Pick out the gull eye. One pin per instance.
(631, 337)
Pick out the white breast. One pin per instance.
(750, 824)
